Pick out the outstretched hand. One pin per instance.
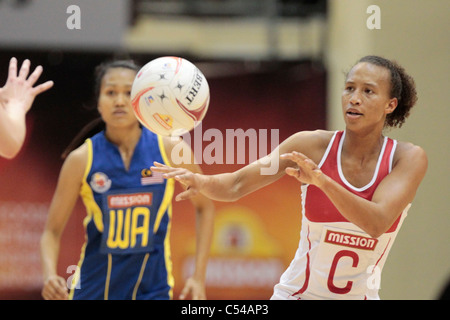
(191, 181)
(18, 91)
(307, 171)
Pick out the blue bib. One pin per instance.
(131, 201)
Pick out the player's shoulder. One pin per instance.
(77, 159)
(410, 154)
(181, 146)
(315, 137)
(408, 149)
(311, 143)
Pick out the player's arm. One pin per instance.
(62, 204)
(204, 210)
(16, 98)
(391, 197)
(234, 185)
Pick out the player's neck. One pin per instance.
(124, 138)
(362, 145)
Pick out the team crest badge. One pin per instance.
(100, 182)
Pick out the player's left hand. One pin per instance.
(195, 288)
(18, 91)
(307, 172)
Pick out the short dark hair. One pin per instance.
(403, 88)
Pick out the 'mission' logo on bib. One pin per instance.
(350, 240)
(127, 200)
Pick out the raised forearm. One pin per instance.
(220, 187)
(363, 213)
(12, 133)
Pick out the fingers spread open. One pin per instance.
(35, 75)
(12, 71)
(159, 167)
(24, 69)
(42, 87)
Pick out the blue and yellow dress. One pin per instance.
(126, 254)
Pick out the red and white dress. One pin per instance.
(335, 258)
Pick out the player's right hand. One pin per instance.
(191, 181)
(55, 288)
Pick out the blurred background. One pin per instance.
(271, 64)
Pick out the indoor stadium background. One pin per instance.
(277, 65)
